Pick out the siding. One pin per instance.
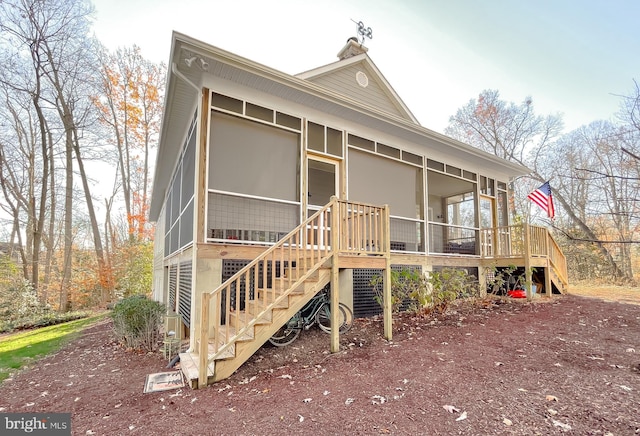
(344, 82)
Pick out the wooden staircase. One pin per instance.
(239, 316)
(529, 246)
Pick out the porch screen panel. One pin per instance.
(227, 212)
(188, 171)
(252, 158)
(379, 181)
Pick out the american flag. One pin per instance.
(543, 198)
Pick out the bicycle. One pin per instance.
(316, 311)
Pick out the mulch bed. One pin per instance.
(570, 365)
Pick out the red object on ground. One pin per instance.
(517, 293)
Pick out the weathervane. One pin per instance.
(362, 32)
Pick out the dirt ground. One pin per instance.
(569, 365)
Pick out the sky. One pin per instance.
(573, 57)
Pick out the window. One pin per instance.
(324, 139)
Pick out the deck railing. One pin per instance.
(509, 241)
(269, 279)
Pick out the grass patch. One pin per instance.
(18, 349)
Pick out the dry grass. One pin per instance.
(622, 294)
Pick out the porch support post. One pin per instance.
(387, 313)
(482, 281)
(527, 262)
(335, 274)
(547, 279)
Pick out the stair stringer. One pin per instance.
(244, 349)
(556, 281)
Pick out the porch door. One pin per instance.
(322, 183)
(487, 225)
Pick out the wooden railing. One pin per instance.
(558, 260)
(509, 241)
(269, 279)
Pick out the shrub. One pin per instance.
(41, 320)
(137, 321)
(409, 290)
(449, 284)
(413, 291)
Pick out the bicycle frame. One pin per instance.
(311, 309)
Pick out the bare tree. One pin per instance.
(56, 34)
(504, 129)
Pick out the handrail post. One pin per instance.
(388, 315)
(203, 352)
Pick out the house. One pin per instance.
(270, 186)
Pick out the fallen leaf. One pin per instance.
(450, 409)
(563, 426)
(507, 421)
(551, 398)
(462, 417)
(378, 399)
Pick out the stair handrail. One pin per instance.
(357, 229)
(558, 260)
(291, 241)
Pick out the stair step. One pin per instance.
(228, 352)
(230, 331)
(277, 292)
(254, 305)
(189, 367)
(244, 318)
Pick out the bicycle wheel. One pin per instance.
(285, 335)
(345, 318)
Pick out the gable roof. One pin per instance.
(356, 76)
(186, 79)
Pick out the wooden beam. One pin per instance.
(527, 262)
(203, 349)
(374, 262)
(335, 274)
(547, 280)
(387, 312)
